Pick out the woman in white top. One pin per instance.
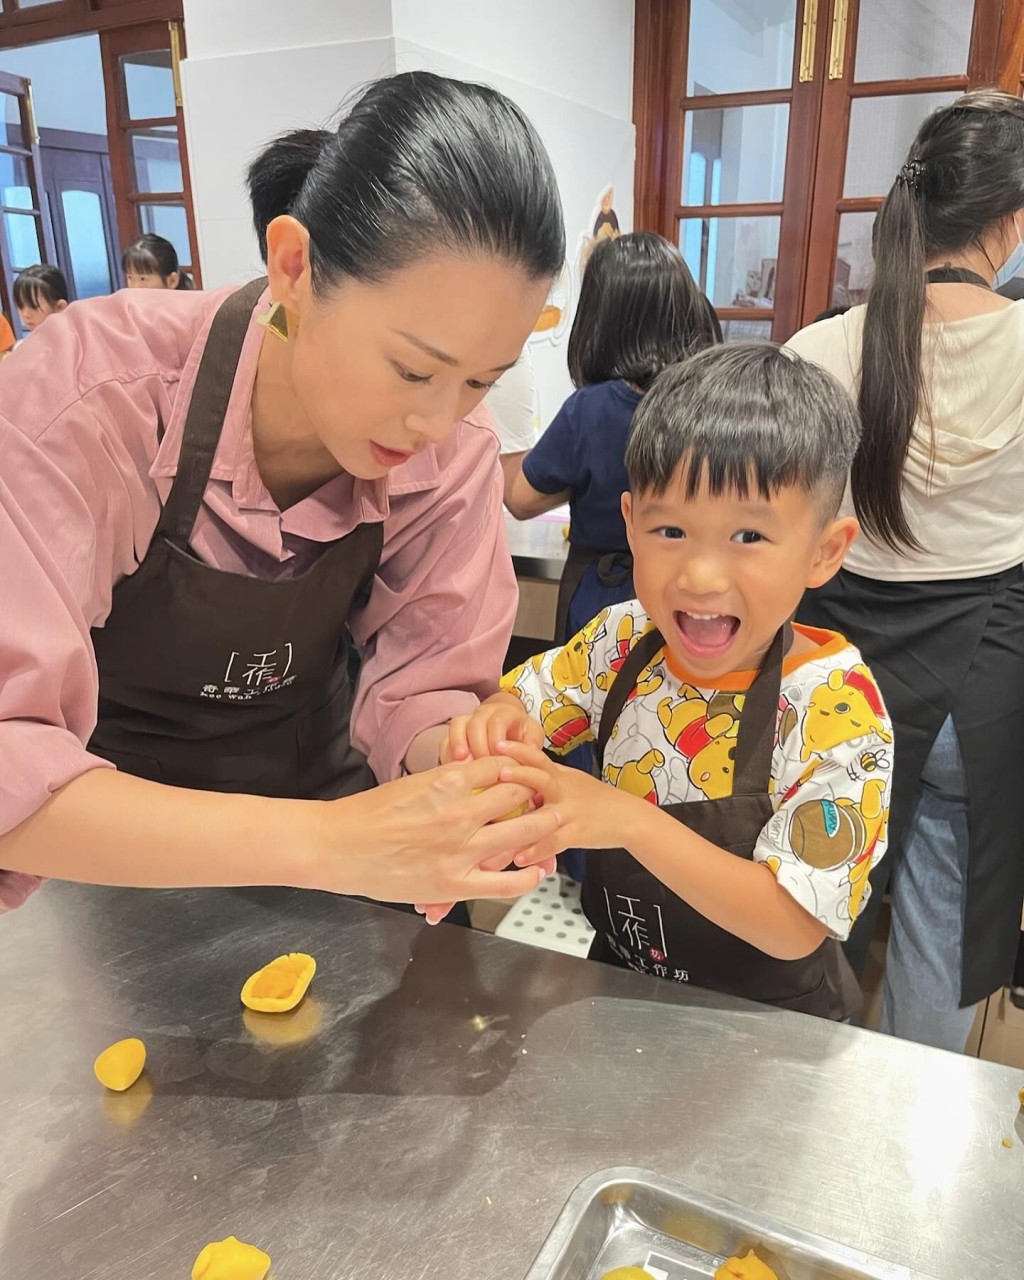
(933, 592)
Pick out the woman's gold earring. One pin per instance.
(276, 320)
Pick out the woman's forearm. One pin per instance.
(107, 827)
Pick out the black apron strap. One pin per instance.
(755, 743)
(955, 275)
(640, 656)
(206, 412)
(754, 747)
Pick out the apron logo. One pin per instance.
(249, 676)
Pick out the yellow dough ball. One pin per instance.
(627, 1273)
(512, 813)
(119, 1066)
(280, 985)
(231, 1259)
(749, 1268)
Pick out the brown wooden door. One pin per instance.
(769, 130)
(25, 234)
(887, 67)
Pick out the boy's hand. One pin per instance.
(592, 814)
(502, 718)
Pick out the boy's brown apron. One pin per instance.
(218, 681)
(643, 925)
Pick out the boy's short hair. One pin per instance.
(741, 417)
(40, 285)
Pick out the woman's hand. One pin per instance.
(502, 718)
(592, 814)
(429, 838)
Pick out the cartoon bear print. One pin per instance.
(847, 707)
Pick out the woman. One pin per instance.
(933, 593)
(151, 262)
(202, 495)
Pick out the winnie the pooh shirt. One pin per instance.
(674, 742)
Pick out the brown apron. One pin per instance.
(641, 924)
(218, 681)
(614, 569)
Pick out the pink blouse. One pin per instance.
(92, 409)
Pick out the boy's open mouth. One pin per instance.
(706, 635)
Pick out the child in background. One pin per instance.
(639, 311)
(40, 292)
(151, 262)
(745, 761)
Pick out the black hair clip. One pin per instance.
(910, 175)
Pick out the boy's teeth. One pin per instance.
(702, 617)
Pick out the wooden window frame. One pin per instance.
(114, 45)
(20, 88)
(818, 110)
(80, 17)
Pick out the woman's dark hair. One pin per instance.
(40, 286)
(639, 311)
(419, 164)
(152, 255)
(747, 417)
(964, 174)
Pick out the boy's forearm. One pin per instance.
(734, 893)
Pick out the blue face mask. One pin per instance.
(1013, 263)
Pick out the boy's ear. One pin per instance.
(627, 515)
(836, 539)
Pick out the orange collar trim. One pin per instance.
(826, 645)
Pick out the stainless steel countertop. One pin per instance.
(538, 548)
(456, 1090)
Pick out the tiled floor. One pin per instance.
(998, 1032)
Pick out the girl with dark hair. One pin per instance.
(639, 311)
(933, 593)
(40, 292)
(151, 262)
(207, 498)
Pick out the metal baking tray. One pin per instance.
(628, 1217)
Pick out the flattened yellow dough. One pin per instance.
(280, 985)
(749, 1268)
(120, 1065)
(231, 1259)
(627, 1273)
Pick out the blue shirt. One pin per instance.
(584, 450)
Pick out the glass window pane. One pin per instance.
(169, 221)
(747, 330)
(10, 121)
(881, 131)
(34, 4)
(855, 263)
(87, 242)
(735, 156)
(732, 259)
(23, 242)
(156, 159)
(13, 175)
(739, 45)
(149, 85)
(907, 41)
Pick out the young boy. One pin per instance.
(40, 292)
(748, 760)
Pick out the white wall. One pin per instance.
(572, 76)
(67, 82)
(577, 49)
